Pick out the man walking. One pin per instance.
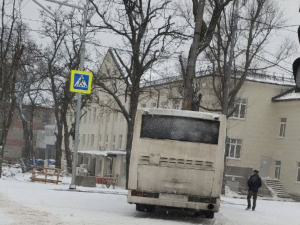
(254, 183)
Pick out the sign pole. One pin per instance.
(78, 108)
(81, 67)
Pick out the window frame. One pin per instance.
(114, 142)
(277, 169)
(282, 124)
(94, 114)
(298, 173)
(240, 102)
(176, 104)
(120, 141)
(83, 139)
(153, 105)
(230, 144)
(92, 139)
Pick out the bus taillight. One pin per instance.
(144, 194)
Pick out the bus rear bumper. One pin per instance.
(176, 201)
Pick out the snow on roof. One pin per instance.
(287, 96)
(166, 71)
(271, 79)
(102, 153)
(263, 78)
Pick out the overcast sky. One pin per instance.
(291, 11)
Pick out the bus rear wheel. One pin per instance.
(140, 207)
(143, 208)
(209, 214)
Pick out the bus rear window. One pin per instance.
(180, 129)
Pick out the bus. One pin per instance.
(177, 160)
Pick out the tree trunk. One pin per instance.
(190, 71)
(26, 140)
(58, 142)
(130, 123)
(6, 125)
(67, 145)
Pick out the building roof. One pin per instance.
(170, 73)
(289, 95)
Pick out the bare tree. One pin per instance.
(60, 57)
(146, 31)
(201, 38)
(256, 22)
(12, 44)
(29, 96)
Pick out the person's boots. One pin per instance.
(249, 204)
(254, 204)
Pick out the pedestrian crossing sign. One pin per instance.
(81, 82)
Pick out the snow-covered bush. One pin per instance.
(11, 171)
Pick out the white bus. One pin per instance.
(177, 160)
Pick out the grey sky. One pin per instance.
(291, 8)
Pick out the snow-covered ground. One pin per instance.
(27, 203)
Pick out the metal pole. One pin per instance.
(78, 108)
(81, 67)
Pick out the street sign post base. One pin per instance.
(72, 186)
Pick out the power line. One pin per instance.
(271, 26)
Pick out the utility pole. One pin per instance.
(228, 66)
(81, 67)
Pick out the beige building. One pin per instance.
(262, 134)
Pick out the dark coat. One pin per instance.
(254, 183)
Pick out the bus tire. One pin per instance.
(197, 214)
(150, 208)
(209, 214)
(140, 207)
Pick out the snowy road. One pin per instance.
(34, 203)
(23, 202)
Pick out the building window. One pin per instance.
(46, 119)
(120, 141)
(164, 105)
(83, 139)
(88, 140)
(233, 148)
(92, 139)
(153, 105)
(282, 127)
(176, 104)
(143, 105)
(106, 142)
(94, 115)
(84, 116)
(240, 108)
(49, 132)
(114, 143)
(298, 172)
(277, 169)
(90, 115)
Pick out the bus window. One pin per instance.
(180, 128)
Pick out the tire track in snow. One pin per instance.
(21, 215)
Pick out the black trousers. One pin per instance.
(250, 194)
